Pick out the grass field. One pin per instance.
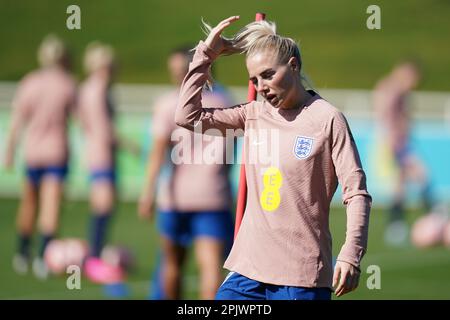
(339, 51)
(406, 273)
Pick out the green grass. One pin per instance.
(406, 273)
(338, 49)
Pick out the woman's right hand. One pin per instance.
(214, 40)
(8, 162)
(146, 206)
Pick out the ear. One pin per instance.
(293, 63)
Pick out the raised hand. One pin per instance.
(215, 41)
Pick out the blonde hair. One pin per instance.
(52, 51)
(260, 36)
(97, 56)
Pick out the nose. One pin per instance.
(260, 86)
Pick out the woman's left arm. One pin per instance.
(357, 200)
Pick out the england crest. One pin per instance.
(303, 147)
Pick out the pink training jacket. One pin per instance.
(42, 104)
(392, 112)
(96, 114)
(199, 177)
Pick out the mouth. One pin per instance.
(272, 99)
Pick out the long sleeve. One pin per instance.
(190, 114)
(20, 114)
(355, 196)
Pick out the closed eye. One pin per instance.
(267, 74)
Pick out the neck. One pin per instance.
(102, 76)
(58, 67)
(299, 100)
(305, 96)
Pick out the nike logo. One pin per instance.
(256, 143)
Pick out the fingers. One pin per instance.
(350, 284)
(337, 273)
(214, 40)
(342, 283)
(222, 25)
(225, 23)
(144, 209)
(346, 277)
(355, 281)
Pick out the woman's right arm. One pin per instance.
(11, 140)
(20, 106)
(154, 163)
(190, 113)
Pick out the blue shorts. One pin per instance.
(183, 227)
(35, 174)
(103, 175)
(239, 287)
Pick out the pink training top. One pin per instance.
(96, 114)
(199, 179)
(43, 103)
(390, 106)
(294, 160)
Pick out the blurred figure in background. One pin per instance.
(391, 106)
(96, 114)
(194, 199)
(42, 105)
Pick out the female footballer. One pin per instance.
(42, 105)
(96, 114)
(194, 194)
(283, 247)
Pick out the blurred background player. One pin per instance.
(194, 199)
(42, 105)
(96, 114)
(393, 111)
